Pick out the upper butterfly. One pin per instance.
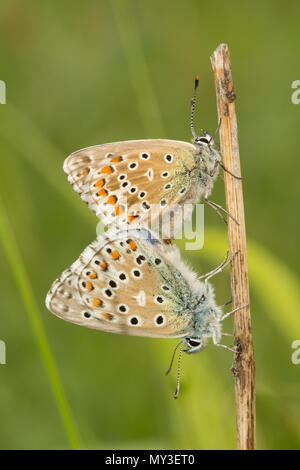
(131, 181)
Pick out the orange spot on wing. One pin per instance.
(115, 254)
(107, 170)
(132, 245)
(102, 192)
(131, 218)
(116, 159)
(103, 265)
(107, 316)
(111, 200)
(89, 286)
(100, 183)
(118, 210)
(85, 171)
(97, 302)
(93, 276)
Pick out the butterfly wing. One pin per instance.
(135, 175)
(123, 284)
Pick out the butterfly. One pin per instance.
(130, 282)
(131, 182)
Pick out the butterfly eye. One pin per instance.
(193, 343)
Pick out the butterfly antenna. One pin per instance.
(216, 131)
(193, 101)
(178, 374)
(172, 360)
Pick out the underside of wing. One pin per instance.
(135, 181)
(123, 284)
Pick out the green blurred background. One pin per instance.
(84, 73)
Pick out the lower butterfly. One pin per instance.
(140, 181)
(131, 283)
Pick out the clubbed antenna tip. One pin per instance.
(193, 101)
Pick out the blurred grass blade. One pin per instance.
(138, 70)
(25, 291)
(32, 145)
(278, 288)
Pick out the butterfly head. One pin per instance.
(194, 344)
(207, 324)
(204, 140)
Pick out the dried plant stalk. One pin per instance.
(244, 366)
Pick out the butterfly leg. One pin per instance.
(217, 208)
(232, 311)
(212, 205)
(227, 303)
(226, 347)
(215, 341)
(229, 172)
(218, 269)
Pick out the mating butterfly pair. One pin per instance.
(129, 281)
